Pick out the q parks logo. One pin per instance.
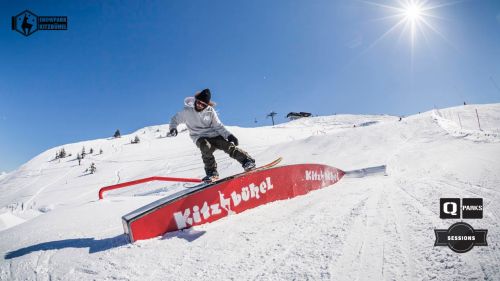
(461, 237)
(28, 23)
(471, 208)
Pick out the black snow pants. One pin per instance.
(209, 145)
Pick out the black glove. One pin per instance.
(232, 139)
(173, 132)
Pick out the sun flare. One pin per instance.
(413, 12)
(414, 19)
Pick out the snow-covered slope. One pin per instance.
(375, 228)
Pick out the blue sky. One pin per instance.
(129, 64)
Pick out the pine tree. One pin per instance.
(135, 140)
(92, 168)
(83, 152)
(91, 150)
(100, 151)
(60, 153)
(117, 134)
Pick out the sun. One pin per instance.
(413, 12)
(414, 19)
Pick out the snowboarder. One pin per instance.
(208, 133)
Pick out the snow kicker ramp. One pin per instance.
(209, 202)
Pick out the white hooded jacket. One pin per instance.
(205, 123)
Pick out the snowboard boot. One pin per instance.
(211, 177)
(248, 165)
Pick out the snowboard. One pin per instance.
(260, 168)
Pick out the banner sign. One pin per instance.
(208, 203)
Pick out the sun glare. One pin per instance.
(414, 19)
(413, 12)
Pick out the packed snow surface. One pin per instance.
(53, 227)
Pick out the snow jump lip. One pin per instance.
(210, 202)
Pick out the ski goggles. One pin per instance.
(200, 103)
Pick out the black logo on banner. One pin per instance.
(28, 23)
(449, 208)
(470, 208)
(461, 237)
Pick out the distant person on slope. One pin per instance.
(208, 133)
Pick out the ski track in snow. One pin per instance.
(41, 189)
(374, 228)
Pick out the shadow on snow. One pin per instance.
(93, 245)
(187, 234)
(96, 246)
